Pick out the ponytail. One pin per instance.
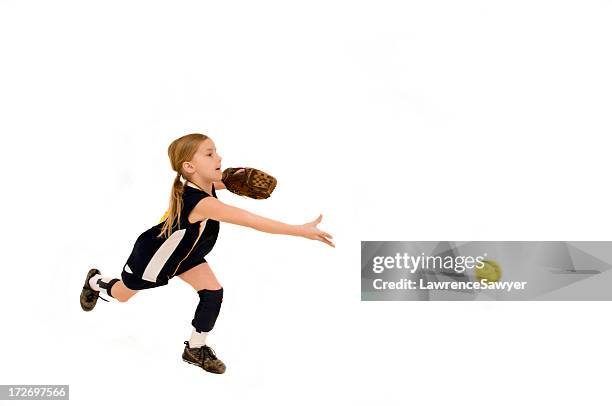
(176, 205)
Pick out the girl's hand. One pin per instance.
(310, 231)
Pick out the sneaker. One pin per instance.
(204, 357)
(89, 297)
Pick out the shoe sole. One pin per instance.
(90, 273)
(198, 365)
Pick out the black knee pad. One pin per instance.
(208, 309)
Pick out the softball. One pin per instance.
(491, 271)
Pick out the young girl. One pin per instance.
(178, 245)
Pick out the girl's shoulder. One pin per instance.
(191, 197)
(194, 193)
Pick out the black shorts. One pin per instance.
(135, 282)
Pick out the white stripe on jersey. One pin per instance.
(164, 252)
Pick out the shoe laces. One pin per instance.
(207, 351)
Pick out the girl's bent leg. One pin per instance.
(204, 281)
(201, 277)
(121, 292)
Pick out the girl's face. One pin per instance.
(205, 162)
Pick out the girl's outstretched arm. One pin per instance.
(217, 210)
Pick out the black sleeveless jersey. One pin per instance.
(157, 259)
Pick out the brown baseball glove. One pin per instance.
(249, 182)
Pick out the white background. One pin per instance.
(430, 120)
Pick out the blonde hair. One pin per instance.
(180, 150)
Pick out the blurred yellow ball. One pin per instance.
(491, 271)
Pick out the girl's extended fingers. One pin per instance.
(326, 234)
(326, 241)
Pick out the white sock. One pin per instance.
(197, 340)
(93, 282)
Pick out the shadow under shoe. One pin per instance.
(89, 297)
(204, 357)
